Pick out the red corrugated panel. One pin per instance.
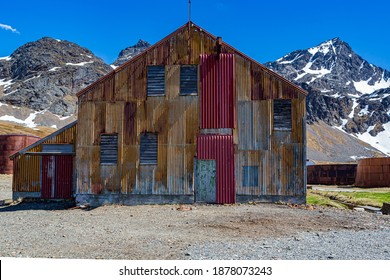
(64, 176)
(48, 175)
(217, 75)
(221, 149)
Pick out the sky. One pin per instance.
(264, 30)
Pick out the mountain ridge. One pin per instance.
(344, 90)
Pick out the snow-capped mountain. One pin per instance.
(345, 91)
(39, 81)
(130, 52)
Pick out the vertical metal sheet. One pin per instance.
(48, 176)
(217, 97)
(221, 149)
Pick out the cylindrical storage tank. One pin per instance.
(373, 172)
(11, 144)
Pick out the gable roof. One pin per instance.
(180, 29)
(43, 140)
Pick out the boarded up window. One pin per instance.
(156, 80)
(250, 176)
(282, 114)
(109, 149)
(149, 144)
(189, 80)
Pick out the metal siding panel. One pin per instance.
(217, 108)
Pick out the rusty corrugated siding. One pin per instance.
(217, 98)
(221, 149)
(331, 174)
(118, 104)
(373, 172)
(27, 167)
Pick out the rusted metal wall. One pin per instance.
(117, 103)
(331, 174)
(173, 117)
(373, 172)
(221, 149)
(11, 144)
(278, 156)
(27, 165)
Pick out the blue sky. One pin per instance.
(264, 30)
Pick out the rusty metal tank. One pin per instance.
(373, 172)
(10, 144)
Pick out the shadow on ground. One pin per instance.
(39, 205)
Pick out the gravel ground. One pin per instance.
(5, 186)
(242, 231)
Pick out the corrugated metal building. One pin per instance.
(190, 119)
(45, 169)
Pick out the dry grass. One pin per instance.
(12, 128)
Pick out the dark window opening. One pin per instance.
(282, 114)
(250, 176)
(148, 149)
(156, 80)
(188, 80)
(109, 149)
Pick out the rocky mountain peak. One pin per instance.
(130, 52)
(45, 75)
(345, 91)
(141, 44)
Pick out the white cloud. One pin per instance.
(8, 27)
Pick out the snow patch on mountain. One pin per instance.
(80, 63)
(323, 48)
(6, 58)
(365, 87)
(6, 84)
(381, 141)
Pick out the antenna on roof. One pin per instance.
(189, 10)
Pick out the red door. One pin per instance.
(57, 176)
